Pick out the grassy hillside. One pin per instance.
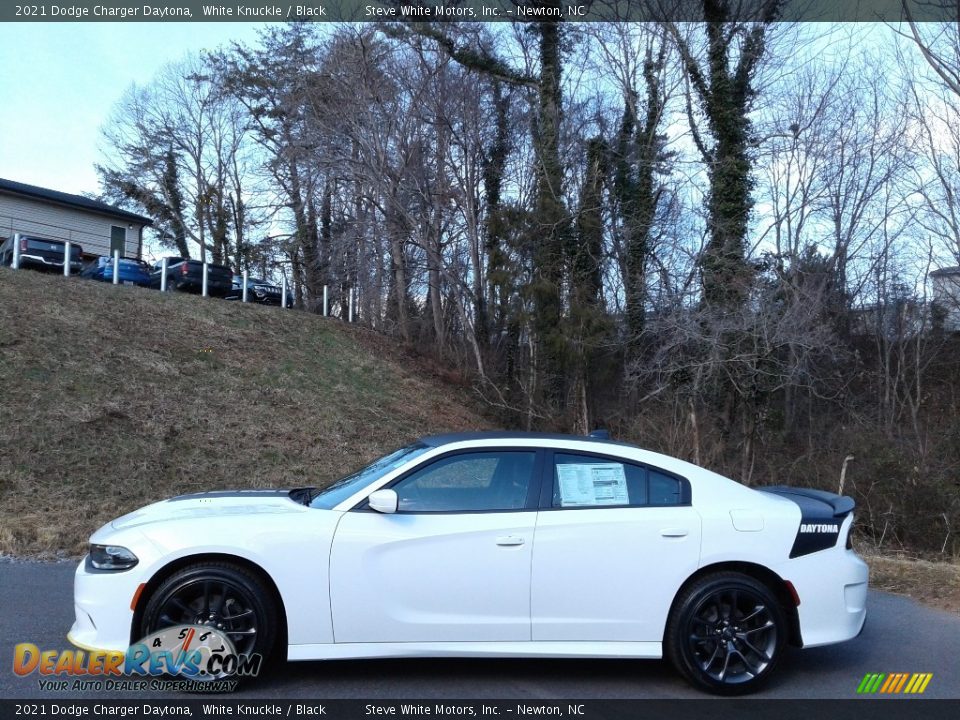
(113, 397)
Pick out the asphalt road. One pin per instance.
(36, 606)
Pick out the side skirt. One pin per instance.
(349, 651)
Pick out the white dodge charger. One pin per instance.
(491, 545)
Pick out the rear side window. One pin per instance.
(591, 481)
(664, 489)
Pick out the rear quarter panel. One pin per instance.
(741, 524)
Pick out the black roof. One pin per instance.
(76, 201)
(448, 438)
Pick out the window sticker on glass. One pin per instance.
(592, 484)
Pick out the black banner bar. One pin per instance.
(459, 10)
(215, 706)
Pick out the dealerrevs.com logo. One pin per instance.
(182, 657)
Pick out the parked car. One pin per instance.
(258, 291)
(186, 275)
(129, 271)
(491, 544)
(41, 254)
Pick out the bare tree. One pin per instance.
(177, 148)
(938, 42)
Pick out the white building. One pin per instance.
(99, 228)
(946, 297)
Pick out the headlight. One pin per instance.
(110, 558)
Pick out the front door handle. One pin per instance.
(508, 540)
(674, 532)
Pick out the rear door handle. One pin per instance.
(508, 540)
(674, 532)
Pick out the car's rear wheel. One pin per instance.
(221, 595)
(726, 633)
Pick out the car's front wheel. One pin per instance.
(224, 596)
(726, 633)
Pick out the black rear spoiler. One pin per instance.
(841, 504)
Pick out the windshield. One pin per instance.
(339, 491)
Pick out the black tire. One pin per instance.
(221, 595)
(726, 633)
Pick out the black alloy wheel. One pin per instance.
(726, 634)
(219, 595)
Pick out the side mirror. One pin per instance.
(383, 501)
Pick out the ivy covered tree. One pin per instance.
(638, 158)
(721, 80)
(551, 218)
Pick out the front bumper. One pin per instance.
(102, 607)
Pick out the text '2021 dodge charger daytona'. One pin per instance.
(491, 545)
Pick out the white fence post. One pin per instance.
(205, 279)
(66, 259)
(283, 290)
(116, 267)
(350, 310)
(246, 275)
(326, 304)
(163, 274)
(15, 263)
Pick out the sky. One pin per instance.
(60, 81)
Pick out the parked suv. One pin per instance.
(258, 291)
(41, 253)
(187, 275)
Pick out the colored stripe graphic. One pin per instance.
(903, 681)
(894, 683)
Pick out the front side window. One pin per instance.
(469, 482)
(591, 481)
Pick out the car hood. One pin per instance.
(211, 504)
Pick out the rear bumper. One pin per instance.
(832, 587)
(42, 263)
